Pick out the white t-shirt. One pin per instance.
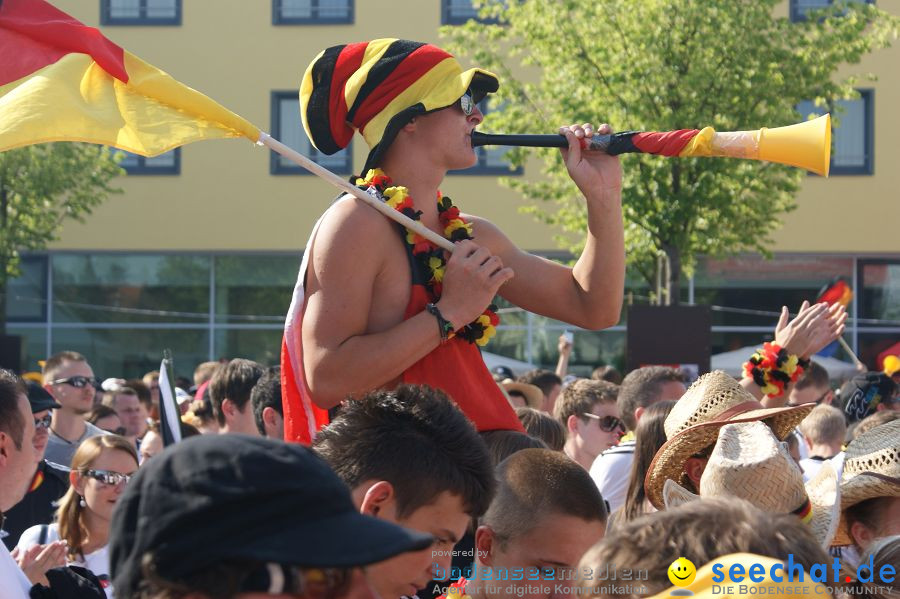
(97, 562)
(13, 582)
(811, 466)
(611, 472)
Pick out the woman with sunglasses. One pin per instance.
(100, 468)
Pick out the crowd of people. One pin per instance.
(383, 460)
(633, 475)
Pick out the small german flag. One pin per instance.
(838, 291)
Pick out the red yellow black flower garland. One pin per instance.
(428, 255)
(773, 369)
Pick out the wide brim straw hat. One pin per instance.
(750, 463)
(376, 87)
(871, 469)
(714, 400)
(534, 397)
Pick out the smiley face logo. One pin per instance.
(682, 572)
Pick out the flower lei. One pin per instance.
(429, 256)
(773, 369)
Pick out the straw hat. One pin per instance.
(749, 462)
(534, 397)
(715, 399)
(871, 469)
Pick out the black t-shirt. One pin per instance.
(37, 507)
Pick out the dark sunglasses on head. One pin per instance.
(607, 424)
(43, 422)
(78, 382)
(314, 583)
(467, 103)
(108, 477)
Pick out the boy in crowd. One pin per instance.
(18, 458)
(411, 457)
(48, 483)
(588, 411)
(546, 514)
(70, 380)
(639, 390)
(700, 531)
(229, 391)
(266, 401)
(824, 431)
(245, 517)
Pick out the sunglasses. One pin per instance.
(467, 103)
(108, 477)
(79, 382)
(44, 422)
(607, 424)
(314, 583)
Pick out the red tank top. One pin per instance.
(457, 368)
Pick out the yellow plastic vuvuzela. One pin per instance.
(806, 145)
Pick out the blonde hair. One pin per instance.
(824, 424)
(55, 363)
(70, 514)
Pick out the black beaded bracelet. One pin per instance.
(445, 326)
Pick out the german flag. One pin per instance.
(838, 291)
(61, 80)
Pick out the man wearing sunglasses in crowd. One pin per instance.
(382, 307)
(588, 410)
(70, 380)
(50, 481)
(241, 517)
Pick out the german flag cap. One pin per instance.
(376, 87)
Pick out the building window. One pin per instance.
(312, 12)
(853, 142)
(26, 295)
(491, 159)
(288, 129)
(799, 8)
(457, 12)
(168, 163)
(140, 12)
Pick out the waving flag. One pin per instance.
(61, 80)
(837, 291)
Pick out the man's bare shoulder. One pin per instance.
(350, 225)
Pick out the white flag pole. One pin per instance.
(324, 173)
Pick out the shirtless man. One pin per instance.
(365, 324)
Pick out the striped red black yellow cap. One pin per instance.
(376, 87)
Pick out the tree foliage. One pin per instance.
(42, 186)
(658, 65)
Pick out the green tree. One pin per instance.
(42, 186)
(658, 65)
